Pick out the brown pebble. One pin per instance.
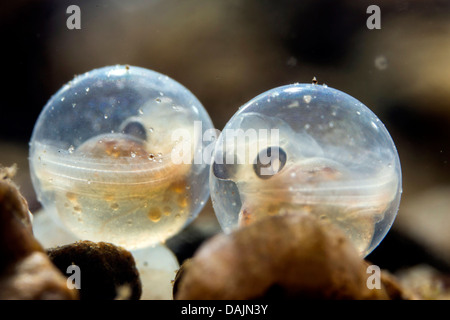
(178, 276)
(106, 271)
(394, 289)
(280, 257)
(25, 270)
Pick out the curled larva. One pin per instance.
(308, 149)
(101, 156)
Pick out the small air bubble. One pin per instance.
(307, 98)
(374, 125)
(141, 111)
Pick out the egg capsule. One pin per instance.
(307, 149)
(101, 156)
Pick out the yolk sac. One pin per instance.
(101, 156)
(307, 149)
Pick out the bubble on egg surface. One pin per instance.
(307, 149)
(105, 168)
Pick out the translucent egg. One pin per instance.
(307, 149)
(108, 156)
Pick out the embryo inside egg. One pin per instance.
(308, 149)
(101, 156)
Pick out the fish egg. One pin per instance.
(90, 164)
(307, 149)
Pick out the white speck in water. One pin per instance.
(74, 105)
(71, 149)
(331, 124)
(358, 113)
(291, 62)
(381, 62)
(141, 111)
(374, 125)
(307, 126)
(106, 116)
(87, 89)
(133, 155)
(307, 98)
(293, 174)
(150, 129)
(63, 98)
(324, 85)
